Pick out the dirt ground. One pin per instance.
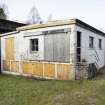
(101, 74)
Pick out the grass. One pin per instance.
(17, 90)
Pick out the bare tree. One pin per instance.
(34, 16)
(3, 11)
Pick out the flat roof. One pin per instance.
(61, 23)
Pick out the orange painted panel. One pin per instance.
(15, 66)
(64, 71)
(9, 48)
(6, 65)
(49, 70)
(38, 69)
(27, 67)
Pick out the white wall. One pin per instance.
(24, 38)
(22, 43)
(88, 53)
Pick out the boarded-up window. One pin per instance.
(57, 47)
(34, 44)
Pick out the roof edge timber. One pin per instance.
(88, 27)
(9, 33)
(48, 24)
(61, 23)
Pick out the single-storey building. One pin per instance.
(53, 49)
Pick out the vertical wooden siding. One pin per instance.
(27, 68)
(63, 71)
(15, 66)
(49, 70)
(40, 69)
(6, 65)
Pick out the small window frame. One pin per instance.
(100, 44)
(34, 45)
(91, 42)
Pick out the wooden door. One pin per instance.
(78, 46)
(9, 48)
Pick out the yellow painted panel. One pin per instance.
(27, 67)
(38, 69)
(49, 70)
(6, 65)
(15, 66)
(9, 48)
(64, 71)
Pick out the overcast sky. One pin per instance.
(90, 11)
